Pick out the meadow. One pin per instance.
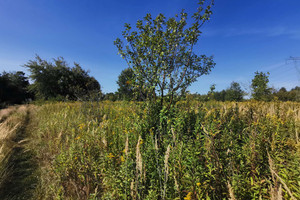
(134, 150)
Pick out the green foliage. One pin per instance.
(260, 88)
(14, 88)
(111, 96)
(234, 92)
(284, 95)
(58, 81)
(126, 86)
(161, 52)
(212, 150)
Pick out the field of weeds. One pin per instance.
(194, 150)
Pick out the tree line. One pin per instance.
(58, 81)
(54, 80)
(259, 90)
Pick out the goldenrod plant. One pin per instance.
(211, 150)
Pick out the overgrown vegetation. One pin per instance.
(168, 145)
(122, 150)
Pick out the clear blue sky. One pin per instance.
(244, 36)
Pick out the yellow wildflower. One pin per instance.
(77, 138)
(81, 126)
(198, 184)
(281, 121)
(188, 196)
(110, 155)
(122, 159)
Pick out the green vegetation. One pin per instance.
(161, 53)
(166, 145)
(58, 81)
(125, 82)
(127, 150)
(260, 88)
(284, 95)
(13, 88)
(233, 93)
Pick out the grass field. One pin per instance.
(127, 150)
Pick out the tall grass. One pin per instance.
(18, 176)
(124, 150)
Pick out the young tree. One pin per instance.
(211, 92)
(260, 88)
(161, 52)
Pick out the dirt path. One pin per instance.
(18, 168)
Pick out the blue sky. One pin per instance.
(244, 36)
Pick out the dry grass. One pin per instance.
(8, 127)
(16, 163)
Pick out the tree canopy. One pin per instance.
(234, 92)
(283, 95)
(259, 86)
(161, 53)
(55, 80)
(125, 82)
(14, 88)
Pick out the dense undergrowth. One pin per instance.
(126, 150)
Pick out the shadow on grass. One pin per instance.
(18, 177)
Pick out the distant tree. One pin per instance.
(58, 80)
(219, 96)
(211, 93)
(284, 95)
(14, 88)
(260, 89)
(295, 94)
(110, 96)
(126, 84)
(234, 92)
(161, 52)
